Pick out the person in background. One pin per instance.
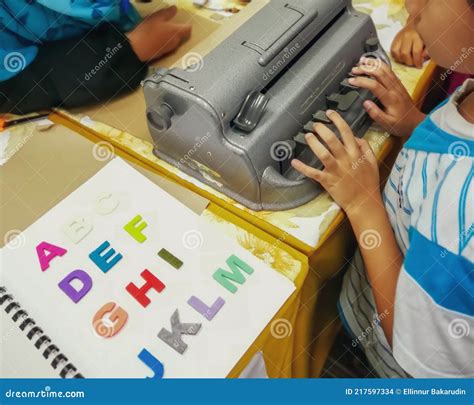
(407, 299)
(56, 53)
(409, 49)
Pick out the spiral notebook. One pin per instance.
(121, 280)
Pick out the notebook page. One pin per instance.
(218, 344)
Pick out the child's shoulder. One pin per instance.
(445, 131)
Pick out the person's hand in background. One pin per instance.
(157, 36)
(399, 115)
(408, 47)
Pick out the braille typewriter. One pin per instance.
(236, 118)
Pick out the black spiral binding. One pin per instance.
(34, 332)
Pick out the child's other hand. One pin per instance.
(400, 116)
(351, 174)
(156, 35)
(408, 47)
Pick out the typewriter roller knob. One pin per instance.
(372, 45)
(160, 117)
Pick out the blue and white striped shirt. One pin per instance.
(430, 201)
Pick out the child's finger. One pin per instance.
(167, 13)
(377, 115)
(373, 86)
(382, 73)
(344, 129)
(366, 150)
(406, 53)
(183, 30)
(418, 48)
(330, 139)
(308, 171)
(320, 151)
(396, 46)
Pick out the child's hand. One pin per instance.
(408, 47)
(400, 115)
(156, 35)
(351, 174)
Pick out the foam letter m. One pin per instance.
(224, 277)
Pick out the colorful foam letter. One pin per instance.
(222, 276)
(103, 259)
(78, 229)
(207, 312)
(173, 338)
(47, 252)
(117, 317)
(170, 258)
(134, 228)
(151, 361)
(106, 203)
(140, 293)
(70, 290)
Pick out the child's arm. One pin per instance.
(74, 72)
(103, 64)
(351, 177)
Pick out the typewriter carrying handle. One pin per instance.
(272, 39)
